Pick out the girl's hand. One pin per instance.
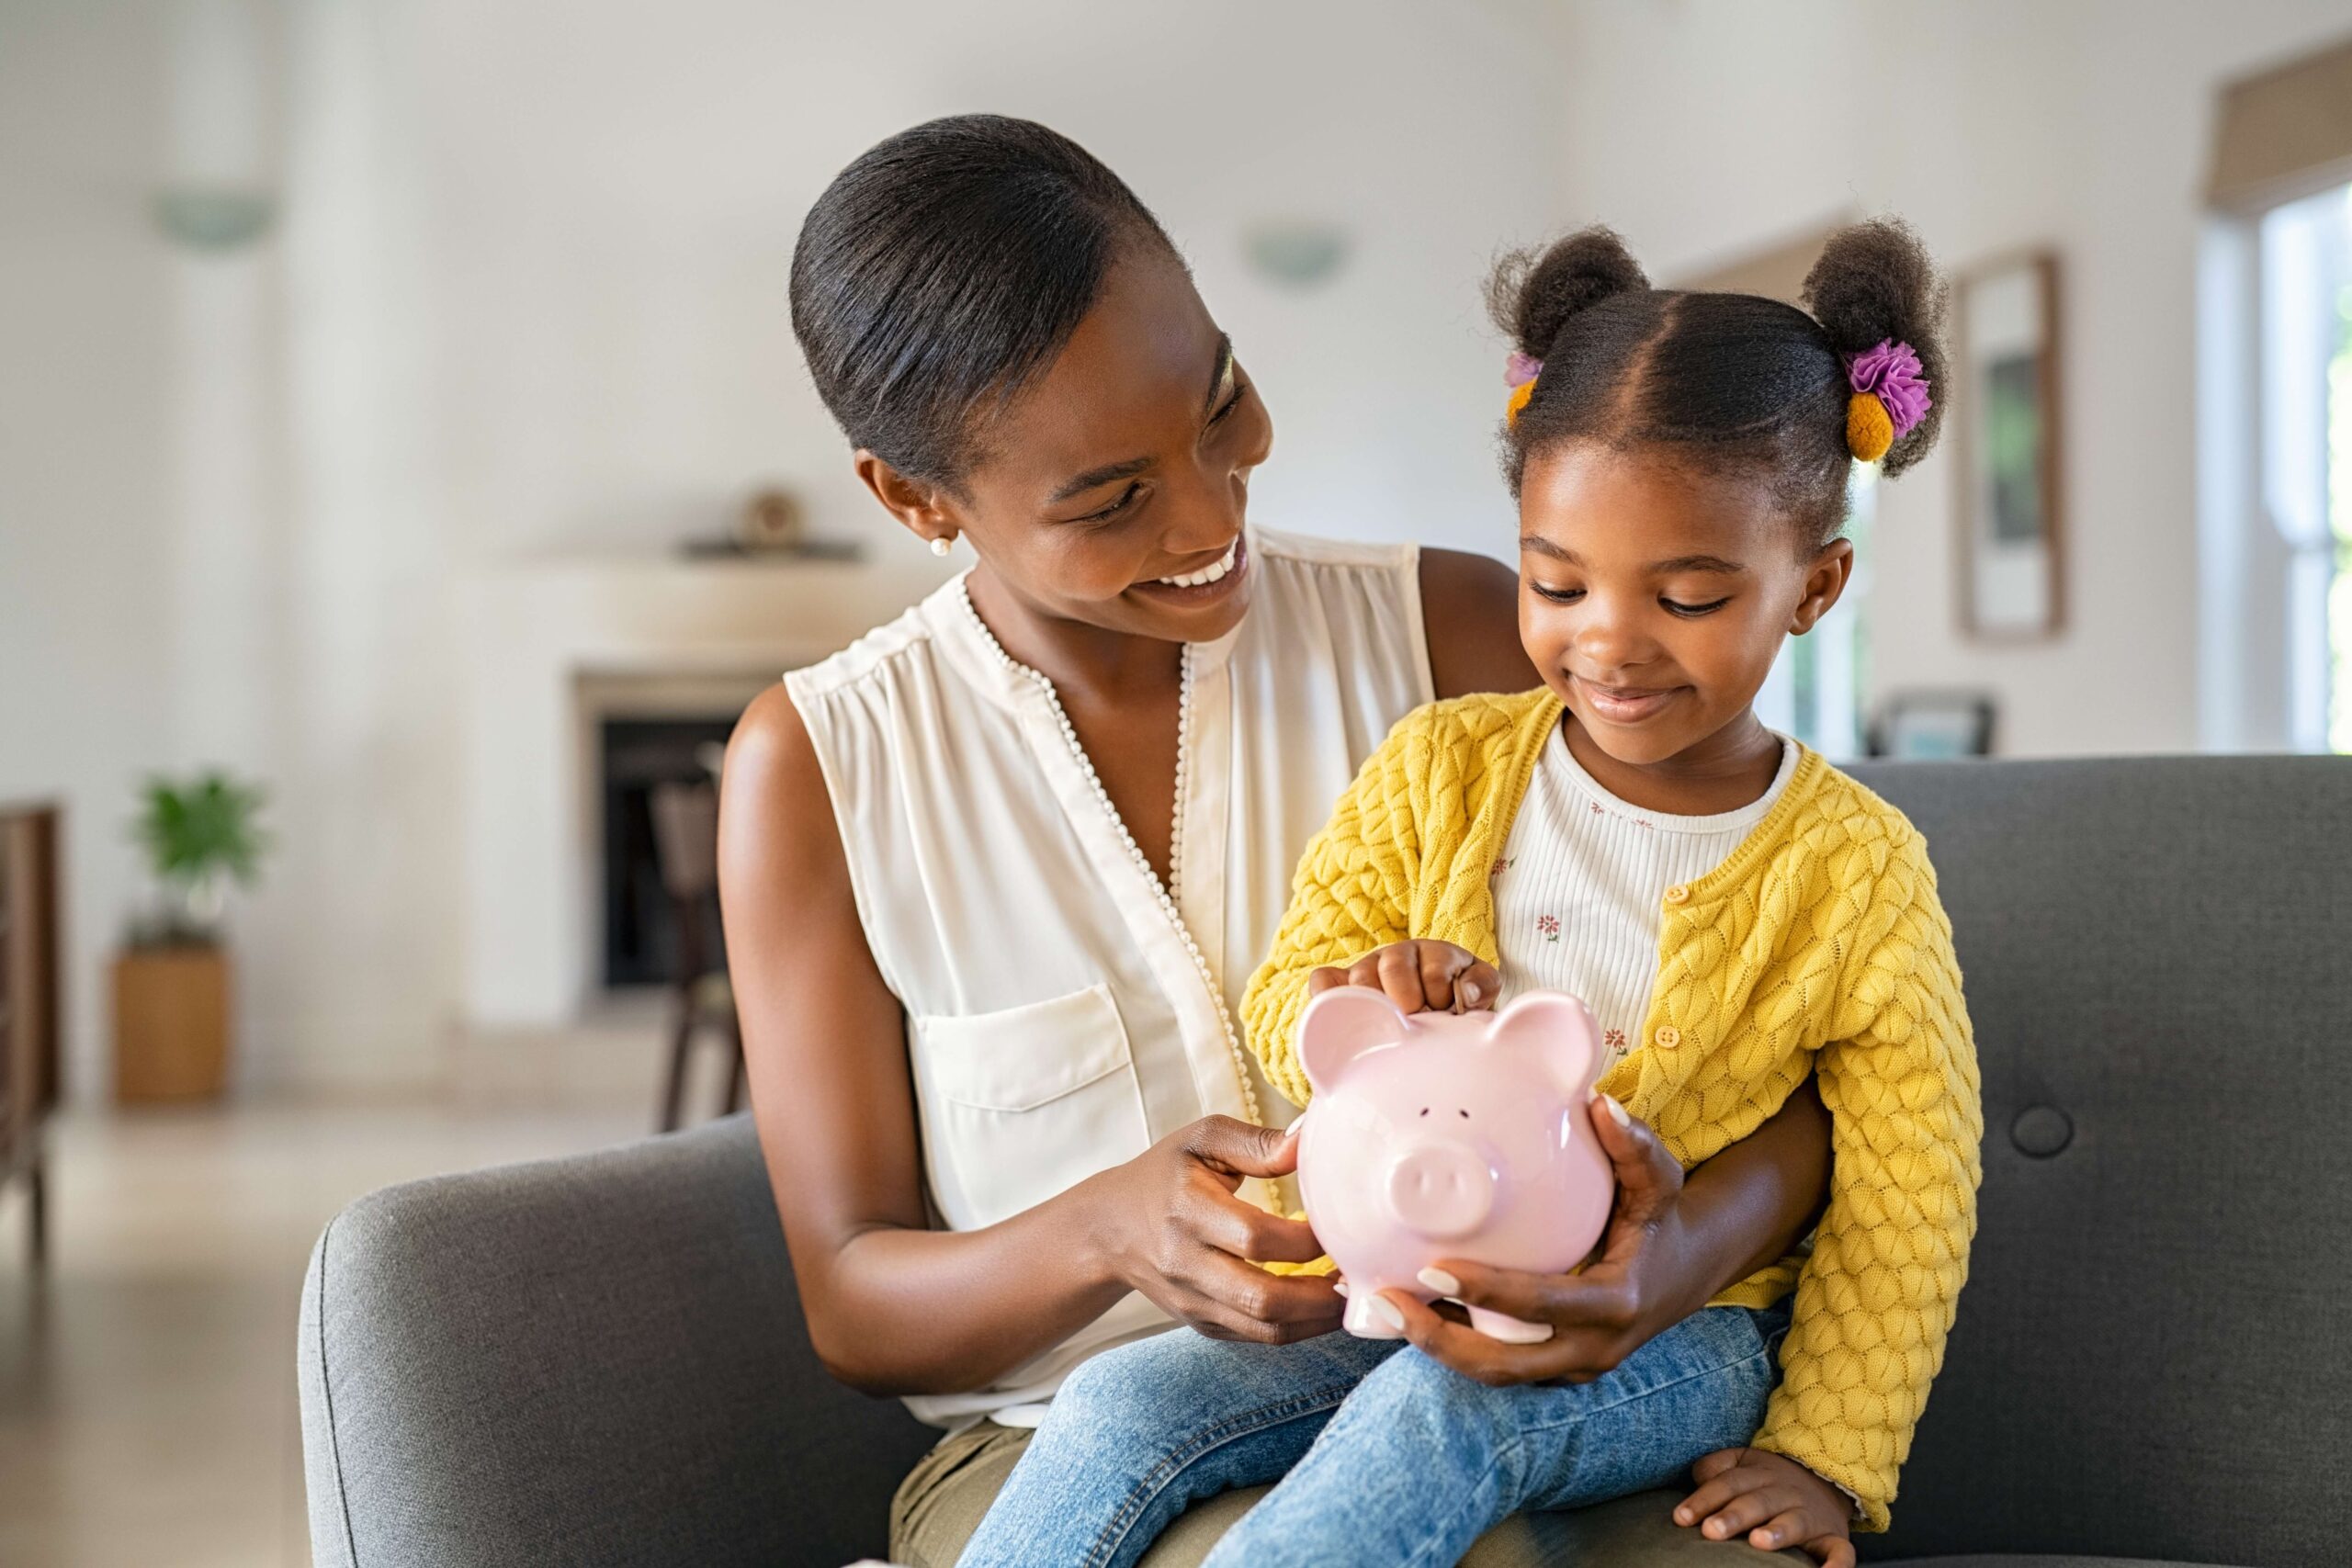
(1647, 1276)
(1171, 1226)
(1418, 976)
(1776, 1500)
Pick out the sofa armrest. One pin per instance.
(598, 1359)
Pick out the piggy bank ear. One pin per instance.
(1343, 1024)
(1559, 1028)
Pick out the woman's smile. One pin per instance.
(1211, 582)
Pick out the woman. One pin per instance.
(995, 876)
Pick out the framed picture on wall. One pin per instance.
(2006, 367)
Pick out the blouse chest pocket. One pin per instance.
(1022, 1104)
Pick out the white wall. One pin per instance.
(1702, 128)
(615, 203)
(527, 300)
(91, 521)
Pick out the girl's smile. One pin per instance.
(1623, 705)
(1653, 596)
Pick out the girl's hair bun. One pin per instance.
(1875, 283)
(1531, 295)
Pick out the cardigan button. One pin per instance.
(1668, 1036)
(1677, 894)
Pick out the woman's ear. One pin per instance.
(1825, 581)
(921, 506)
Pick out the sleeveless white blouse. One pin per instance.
(1064, 1011)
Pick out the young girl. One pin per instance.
(1737, 912)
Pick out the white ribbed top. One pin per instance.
(1580, 889)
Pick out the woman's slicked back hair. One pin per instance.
(942, 270)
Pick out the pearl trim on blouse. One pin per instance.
(1165, 892)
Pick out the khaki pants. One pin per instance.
(940, 1504)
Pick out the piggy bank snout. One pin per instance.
(1440, 1190)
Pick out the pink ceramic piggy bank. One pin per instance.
(1437, 1136)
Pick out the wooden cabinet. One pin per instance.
(31, 966)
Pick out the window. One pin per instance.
(2304, 344)
(2274, 418)
(1816, 689)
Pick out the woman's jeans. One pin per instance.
(1382, 1455)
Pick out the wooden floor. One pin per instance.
(147, 1404)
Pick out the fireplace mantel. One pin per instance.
(544, 637)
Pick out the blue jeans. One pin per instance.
(1382, 1455)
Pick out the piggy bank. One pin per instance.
(1435, 1135)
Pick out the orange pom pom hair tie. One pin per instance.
(1520, 372)
(1890, 399)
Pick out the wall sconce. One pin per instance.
(1296, 252)
(215, 219)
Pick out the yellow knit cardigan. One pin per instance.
(1819, 946)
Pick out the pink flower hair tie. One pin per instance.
(1890, 398)
(1520, 372)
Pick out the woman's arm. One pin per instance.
(892, 1305)
(1470, 617)
(1674, 1242)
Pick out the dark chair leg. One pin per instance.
(673, 1092)
(38, 1193)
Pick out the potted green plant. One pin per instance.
(172, 981)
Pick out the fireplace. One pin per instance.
(636, 756)
(641, 731)
(556, 648)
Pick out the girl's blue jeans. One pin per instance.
(1382, 1455)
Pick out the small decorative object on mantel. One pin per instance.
(771, 520)
(170, 984)
(2005, 368)
(772, 525)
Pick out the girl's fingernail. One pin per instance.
(1471, 992)
(1387, 1311)
(1681, 1516)
(1616, 1112)
(1444, 1283)
(1341, 1286)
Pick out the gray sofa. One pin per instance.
(599, 1360)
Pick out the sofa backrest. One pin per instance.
(2153, 1352)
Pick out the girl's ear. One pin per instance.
(919, 504)
(1340, 1026)
(1825, 581)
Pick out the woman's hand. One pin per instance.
(1418, 976)
(1172, 1228)
(1776, 1500)
(1647, 1276)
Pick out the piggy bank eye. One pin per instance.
(1465, 1115)
(1425, 1110)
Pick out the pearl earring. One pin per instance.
(942, 544)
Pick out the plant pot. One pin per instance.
(171, 1023)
